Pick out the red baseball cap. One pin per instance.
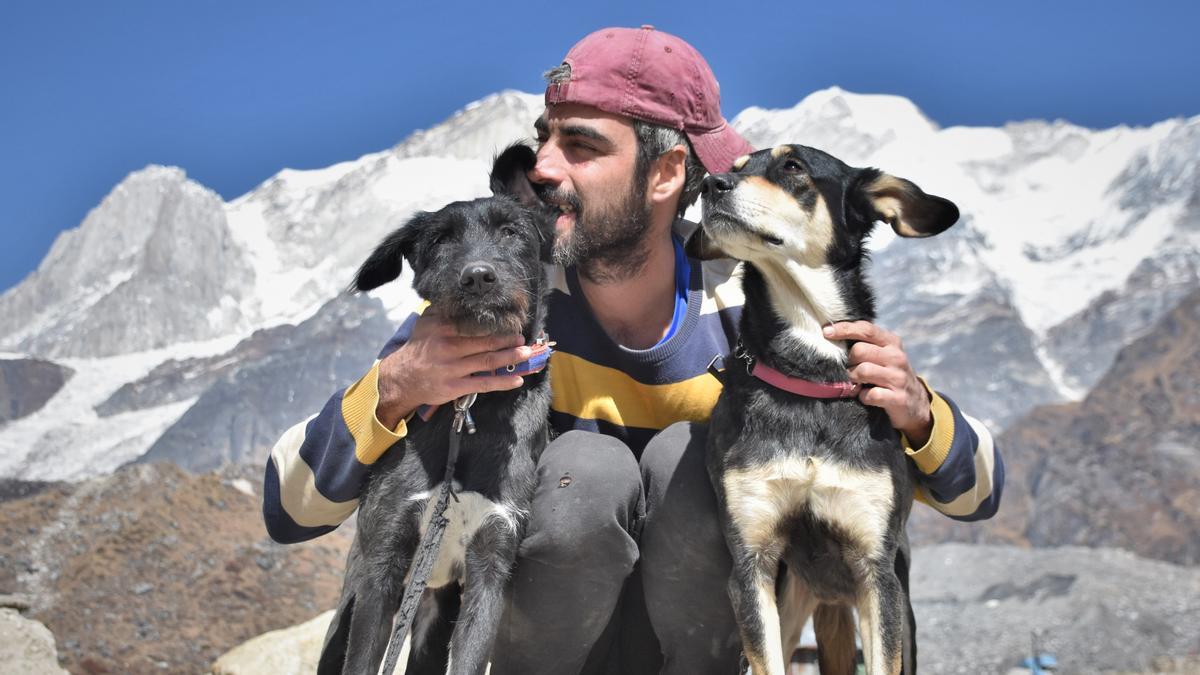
(654, 77)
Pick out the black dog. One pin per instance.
(813, 487)
(480, 264)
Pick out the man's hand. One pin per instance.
(878, 359)
(435, 367)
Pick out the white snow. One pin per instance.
(67, 440)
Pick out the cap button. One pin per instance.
(647, 26)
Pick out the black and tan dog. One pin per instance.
(480, 264)
(813, 487)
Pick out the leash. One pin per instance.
(431, 543)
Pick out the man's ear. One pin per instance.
(508, 177)
(387, 260)
(903, 205)
(669, 174)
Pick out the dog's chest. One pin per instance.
(857, 502)
(465, 515)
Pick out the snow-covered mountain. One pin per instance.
(1073, 242)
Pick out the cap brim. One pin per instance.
(717, 149)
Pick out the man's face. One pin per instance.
(586, 165)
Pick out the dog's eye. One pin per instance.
(508, 231)
(792, 166)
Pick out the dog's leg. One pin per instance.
(834, 626)
(752, 593)
(881, 620)
(358, 634)
(795, 607)
(910, 624)
(489, 561)
(756, 551)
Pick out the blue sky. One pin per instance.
(234, 91)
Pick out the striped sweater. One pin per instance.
(318, 468)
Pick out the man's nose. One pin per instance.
(549, 168)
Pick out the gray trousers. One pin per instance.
(624, 566)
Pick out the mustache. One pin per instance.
(558, 195)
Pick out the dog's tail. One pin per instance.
(834, 626)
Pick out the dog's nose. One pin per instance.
(478, 278)
(718, 183)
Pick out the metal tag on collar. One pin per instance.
(462, 414)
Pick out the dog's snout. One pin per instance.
(718, 183)
(478, 277)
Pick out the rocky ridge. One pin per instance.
(1119, 469)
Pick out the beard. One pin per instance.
(607, 243)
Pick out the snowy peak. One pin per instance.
(151, 264)
(851, 126)
(480, 130)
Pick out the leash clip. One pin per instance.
(739, 350)
(462, 414)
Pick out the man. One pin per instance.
(624, 566)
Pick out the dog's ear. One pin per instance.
(903, 205)
(509, 171)
(387, 260)
(546, 234)
(702, 247)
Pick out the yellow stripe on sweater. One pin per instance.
(371, 438)
(929, 457)
(589, 391)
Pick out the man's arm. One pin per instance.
(960, 470)
(316, 471)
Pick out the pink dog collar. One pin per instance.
(802, 387)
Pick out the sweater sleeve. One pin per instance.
(316, 471)
(960, 470)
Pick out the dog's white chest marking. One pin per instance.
(465, 515)
(856, 502)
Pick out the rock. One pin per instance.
(14, 601)
(26, 385)
(282, 652)
(26, 646)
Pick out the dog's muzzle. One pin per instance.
(478, 278)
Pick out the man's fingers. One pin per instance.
(880, 376)
(880, 397)
(491, 361)
(486, 383)
(468, 346)
(864, 331)
(865, 352)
